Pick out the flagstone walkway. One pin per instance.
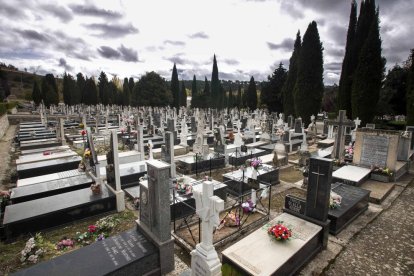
(385, 246)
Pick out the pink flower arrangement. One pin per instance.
(280, 232)
(65, 243)
(256, 163)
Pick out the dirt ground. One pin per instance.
(7, 150)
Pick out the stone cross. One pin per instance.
(208, 209)
(357, 122)
(204, 258)
(339, 145)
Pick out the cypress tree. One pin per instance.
(65, 90)
(215, 86)
(309, 86)
(410, 90)
(36, 94)
(175, 88)
(183, 95)
(271, 95)
(251, 97)
(90, 92)
(368, 74)
(50, 93)
(103, 87)
(80, 86)
(239, 97)
(125, 93)
(230, 99)
(194, 93)
(131, 84)
(348, 65)
(289, 86)
(205, 97)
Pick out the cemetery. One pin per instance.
(295, 159)
(251, 187)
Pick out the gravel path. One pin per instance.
(384, 247)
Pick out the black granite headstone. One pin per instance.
(298, 125)
(319, 188)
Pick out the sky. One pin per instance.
(128, 38)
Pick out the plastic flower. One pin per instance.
(280, 232)
(91, 228)
(83, 132)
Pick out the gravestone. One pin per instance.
(219, 145)
(319, 187)
(204, 258)
(290, 121)
(376, 148)
(341, 122)
(411, 129)
(113, 177)
(193, 125)
(298, 125)
(155, 213)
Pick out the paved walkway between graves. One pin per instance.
(385, 246)
(5, 148)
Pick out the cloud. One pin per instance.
(286, 45)
(230, 61)
(108, 52)
(122, 53)
(333, 66)
(174, 42)
(201, 35)
(12, 11)
(112, 30)
(65, 65)
(128, 54)
(176, 59)
(58, 11)
(33, 35)
(291, 8)
(91, 10)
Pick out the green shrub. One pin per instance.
(3, 109)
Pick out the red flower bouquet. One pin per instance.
(280, 232)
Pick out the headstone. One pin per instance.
(290, 121)
(371, 126)
(155, 213)
(204, 258)
(339, 145)
(140, 139)
(113, 177)
(62, 131)
(319, 188)
(193, 125)
(169, 145)
(298, 125)
(376, 148)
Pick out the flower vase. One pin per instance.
(254, 174)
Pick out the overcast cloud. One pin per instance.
(131, 37)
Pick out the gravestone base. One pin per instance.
(120, 200)
(205, 262)
(165, 249)
(379, 190)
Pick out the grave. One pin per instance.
(239, 158)
(351, 175)
(198, 163)
(48, 177)
(379, 148)
(49, 188)
(44, 167)
(354, 202)
(43, 156)
(47, 212)
(379, 190)
(240, 182)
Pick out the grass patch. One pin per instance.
(278, 200)
(11, 252)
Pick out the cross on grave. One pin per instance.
(357, 122)
(204, 258)
(317, 183)
(341, 122)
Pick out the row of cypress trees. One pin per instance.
(363, 66)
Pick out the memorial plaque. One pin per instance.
(295, 204)
(374, 150)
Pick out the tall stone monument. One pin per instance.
(204, 258)
(155, 215)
